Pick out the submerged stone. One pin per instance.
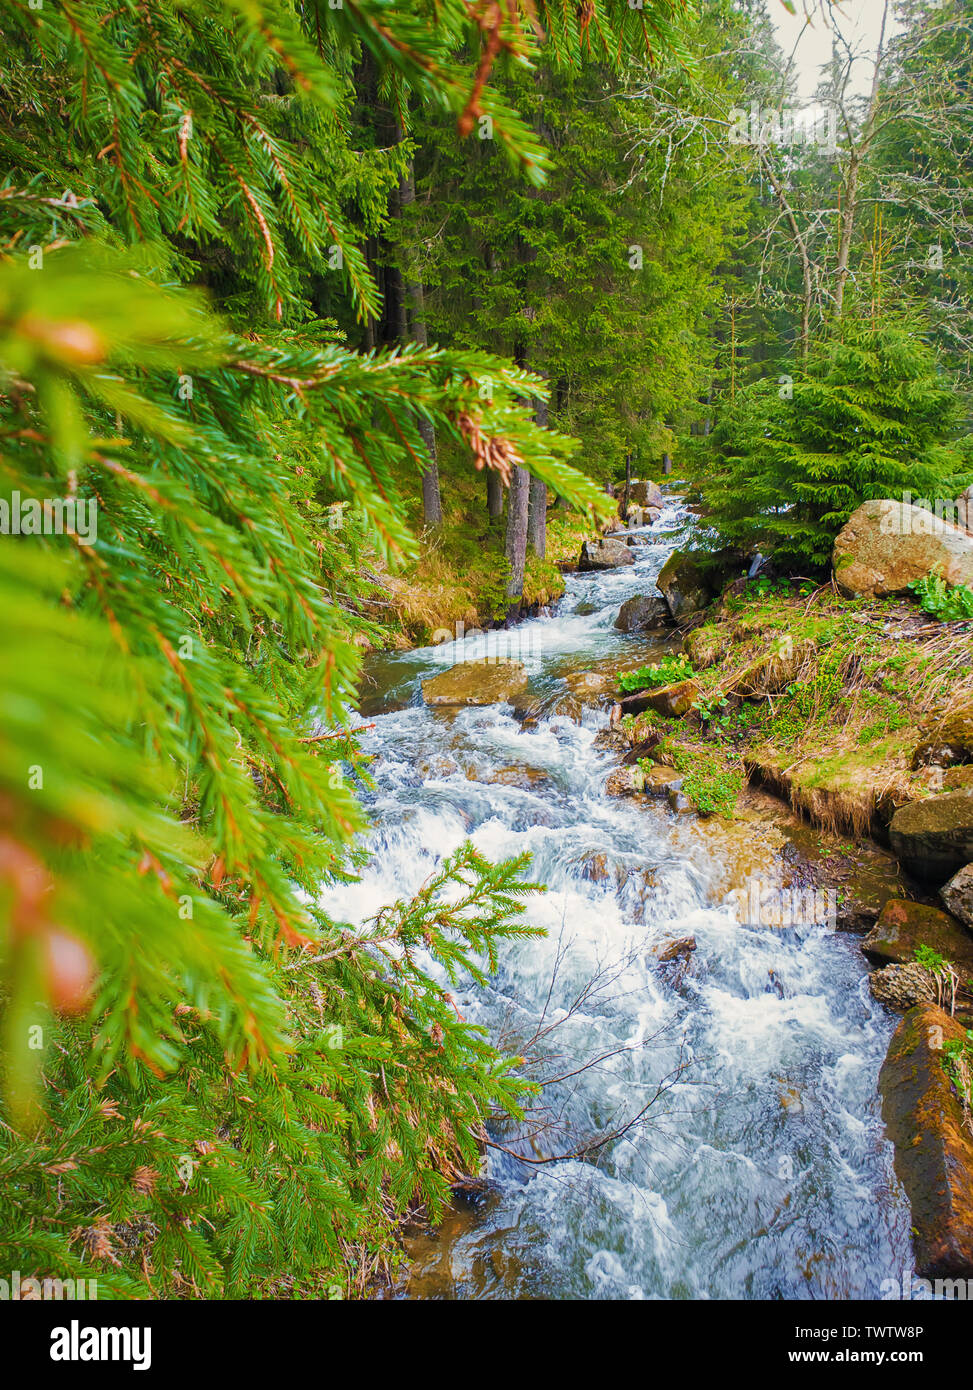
(476, 683)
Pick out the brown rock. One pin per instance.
(886, 545)
(635, 780)
(933, 1150)
(681, 949)
(949, 742)
(902, 926)
(933, 838)
(646, 494)
(672, 700)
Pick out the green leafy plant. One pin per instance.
(950, 603)
(661, 673)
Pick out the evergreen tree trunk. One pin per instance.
(494, 496)
(537, 516)
(628, 486)
(516, 542)
(432, 505)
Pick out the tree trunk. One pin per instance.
(628, 486)
(537, 520)
(494, 496)
(432, 505)
(850, 209)
(516, 542)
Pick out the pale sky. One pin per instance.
(860, 21)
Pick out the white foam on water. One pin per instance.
(762, 1171)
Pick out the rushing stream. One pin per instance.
(761, 1171)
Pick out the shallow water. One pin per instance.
(761, 1170)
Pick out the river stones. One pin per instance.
(684, 585)
(604, 555)
(589, 686)
(957, 894)
(487, 682)
(933, 1150)
(902, 926)
(901, 987)
(641, 613)
(648, 780)
(886, 545)
(934, 837)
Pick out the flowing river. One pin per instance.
(760, 1170)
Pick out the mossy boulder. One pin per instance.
(903, 926)
(957, 894)
(934, 837)
(886, 545)
(933, 1150)
(604, 554)
(645, 493)
(949, 742)
(643, 612)
(674, 700)
(684, 583)
(958, 779)
(476, 683)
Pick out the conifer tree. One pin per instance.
(792, 457)
(209, 1087)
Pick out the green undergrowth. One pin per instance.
(459, 573)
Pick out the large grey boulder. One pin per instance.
(646, 494)
(886, 545)
(641, 613)
(604, 555)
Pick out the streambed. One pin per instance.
(761, 1170)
